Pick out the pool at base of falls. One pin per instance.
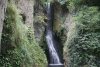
(55, 65)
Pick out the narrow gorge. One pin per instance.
(49, 33)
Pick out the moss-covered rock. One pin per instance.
(19, 48)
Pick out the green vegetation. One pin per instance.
(83, 45)
(19, 48)
(81, 37)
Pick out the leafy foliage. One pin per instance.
(83, 39)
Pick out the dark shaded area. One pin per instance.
(50, 16)
(6, 40)
(59, 47)
(92, 2)
(64, 9)
(23, 18)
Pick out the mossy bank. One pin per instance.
(19, 48)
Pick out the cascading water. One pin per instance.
(54, 57)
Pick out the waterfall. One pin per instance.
(54, 58)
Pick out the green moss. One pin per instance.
(19, 48)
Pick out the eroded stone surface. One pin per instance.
(26, 8)
(3, 4)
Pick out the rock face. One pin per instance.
(3, 4)
(26, 8)
(68, 26)
(39, 23)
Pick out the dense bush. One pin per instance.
(83, 40)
